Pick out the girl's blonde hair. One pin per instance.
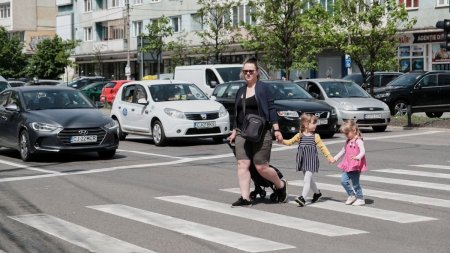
(350, 126)
(305, 119)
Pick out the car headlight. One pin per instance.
(43, 127)
(110, 125)
(290, 114)
(174, 113)
(347, 106)
(382, 95)
(222, 112)
(333, 111)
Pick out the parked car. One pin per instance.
(351, 102)
(290, 102)
(109, 91)
(381, 79)
(82, 81)
(16, 83)
(168, 109)
(45, 82)
(54, 119)
(206, 77)
(93, 90)
(4, 85)
(427, 92)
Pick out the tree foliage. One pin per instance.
(367, 32)
(283, 34)
(51, 58)
(217, 26)
(179, 52)
(157, 30)
(12, 59)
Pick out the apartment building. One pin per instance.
(31, 20)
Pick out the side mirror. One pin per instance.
(99, 104)
(213, 84)
(213, 98)
(315, 95)
(143, 101)
(12, 108)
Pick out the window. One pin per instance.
(115, 3)
(444, 80)
(242, 14)
(137, 28)
(410, 3)
(442, 3)
(104, 34)
(87, 33)
(176, 24)
(429, 81)
(196, 22)
(155, 1)
(87, 5)
(117, 32)
(137, 2)
(5, 10)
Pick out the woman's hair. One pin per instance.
(350, 126)
(305, 119)
(251, 60)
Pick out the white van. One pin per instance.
(206, 77)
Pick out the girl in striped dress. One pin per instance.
(307, 155)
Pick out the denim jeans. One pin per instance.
(353, 176)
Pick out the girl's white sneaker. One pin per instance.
(350, 200)
(359, 202)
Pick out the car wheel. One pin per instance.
(379, 128)
(25, 146)
(434, 114)
(159, 138)
(400, 108)
(218, 140)
(107, 154)
(120, 133)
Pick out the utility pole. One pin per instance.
(127, 30)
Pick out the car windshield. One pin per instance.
(336, 89)
(283, 91)
(3, 85)
(234, 73)
(405, 80)
(176, 92)
(55, 99)
(110, 85)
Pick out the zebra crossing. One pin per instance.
(94, 241)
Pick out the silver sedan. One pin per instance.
(350, 101)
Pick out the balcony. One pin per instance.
(101, 15)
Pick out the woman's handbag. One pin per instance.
(253, 126)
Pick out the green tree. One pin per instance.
(282, 34)
(157, 30)
(367, 32)
(179, 52)
(51, 58)
(12, 59)
(217, 27)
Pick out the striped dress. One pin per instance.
(307, 156)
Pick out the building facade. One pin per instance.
(31, 24)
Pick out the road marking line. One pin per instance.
(432, 166)
(23, 166)
(85, 238)
(412, 183)
(265, 217)
(414, 173)
(365, 211)
(384, 195)
(216, 235)
(149, 154)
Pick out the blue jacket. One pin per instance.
(264, 100)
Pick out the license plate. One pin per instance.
(83, 139)
(372, 116)
(322, 121)
(206, 124)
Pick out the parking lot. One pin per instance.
(148, 197)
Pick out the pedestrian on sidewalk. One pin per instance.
(353, 163)
(307, 155)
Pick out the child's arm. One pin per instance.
(323, 148)
(362, 150)
(293, 140)
(340, 154)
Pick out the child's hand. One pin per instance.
(331, 161)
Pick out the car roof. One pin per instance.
(326, 80)
(209, 66)
(41, 88)
(159, 82)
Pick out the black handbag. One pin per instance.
(253, 126)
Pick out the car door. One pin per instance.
(426, 92)
(444, 85)
(124, 106)
(12, 119)
(3, 116)
(140, 110)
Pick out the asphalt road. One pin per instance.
(177, 199)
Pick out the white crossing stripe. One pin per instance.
(216, 235)
(85, 238)
(265, 217)
(432, 166)
(384, 195)
(365, 211)
(420, 184)
(414, 173)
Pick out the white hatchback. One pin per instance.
(168, 109)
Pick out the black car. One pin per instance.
(427, 92)
(85, 80)
(381, 79)
(54, 119)
(4, 85)
(290, 102)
